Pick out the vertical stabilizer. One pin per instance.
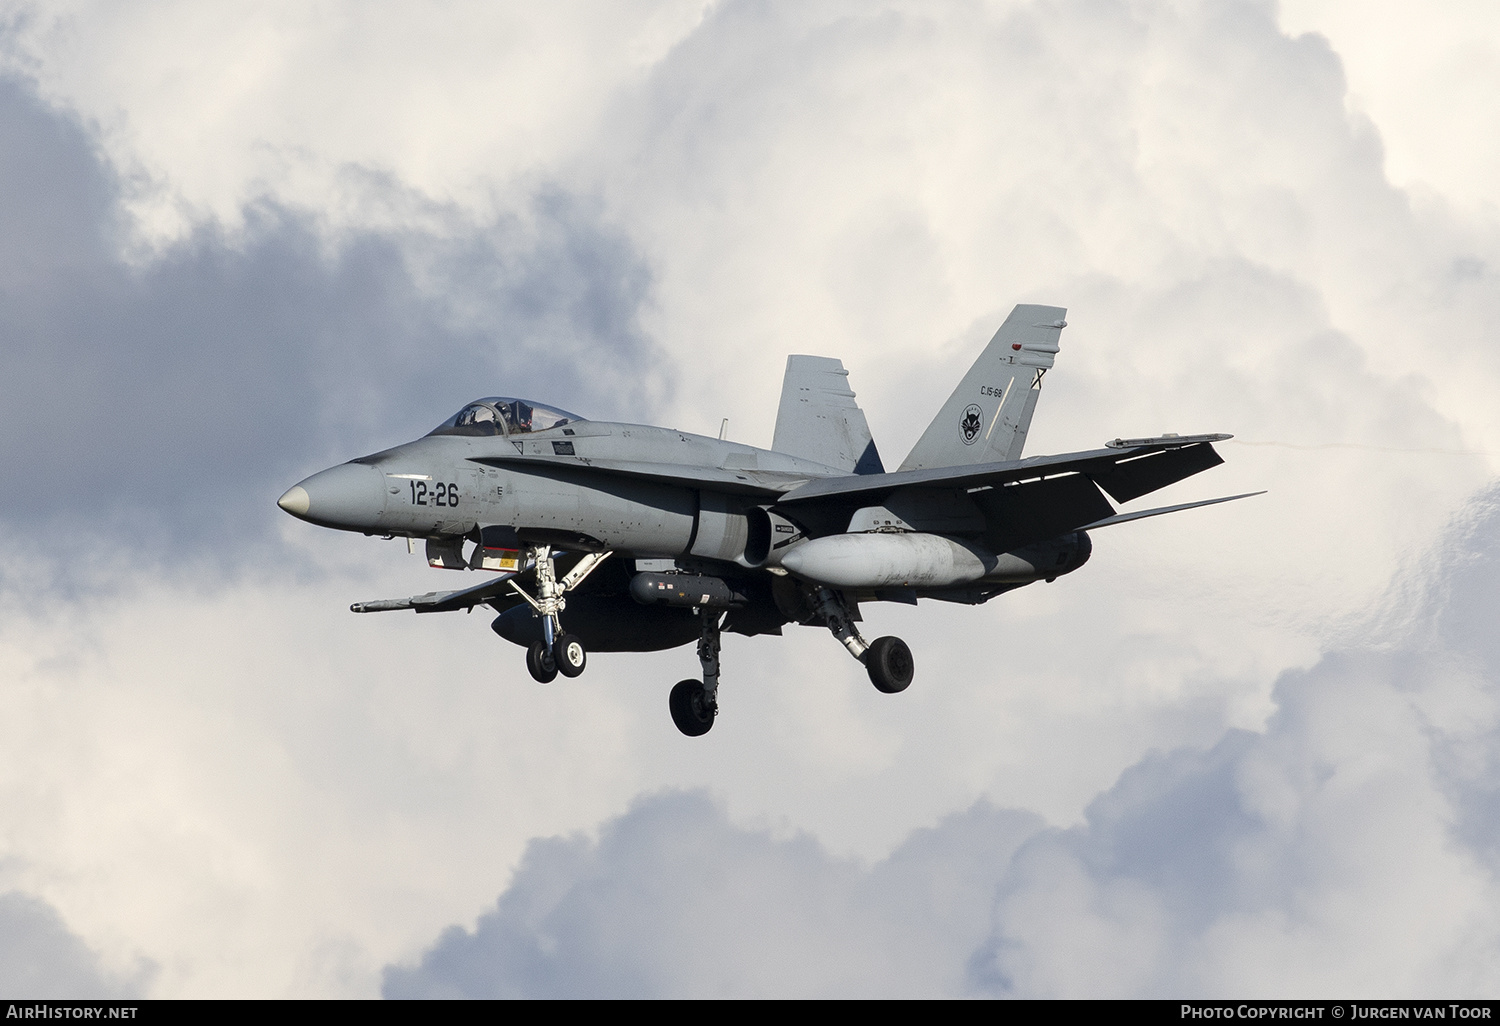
(819, 419)
(988, 415)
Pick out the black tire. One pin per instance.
(691, 711)
(569, 655)
(540, 664)
(890, 665)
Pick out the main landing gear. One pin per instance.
(694, 703)
(888, 661)
(558, 651)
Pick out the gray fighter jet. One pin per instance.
(612, 537)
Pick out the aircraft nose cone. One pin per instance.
(295, 501)
(350, 496)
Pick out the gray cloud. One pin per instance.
(41, 958)
(171, 401)
(673, 900)
(1348, 847)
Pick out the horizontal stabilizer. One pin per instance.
(1142, 514)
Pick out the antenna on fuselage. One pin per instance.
(723, 429)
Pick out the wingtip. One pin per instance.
(1170, 438)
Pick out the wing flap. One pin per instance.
(1140, 475)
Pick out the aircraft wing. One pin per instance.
(1010, 503)
(495, 587)
(1126, 470)
(1014, 502)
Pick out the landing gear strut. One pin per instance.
(558, 651)
(888, 660)
(695, 703)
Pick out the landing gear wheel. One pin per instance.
(569, 655)
(691, 711)
(890, 665)
(540, 663)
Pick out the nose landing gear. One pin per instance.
(558, 651)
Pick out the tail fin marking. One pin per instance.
(1000, 390)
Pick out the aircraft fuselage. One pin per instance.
(554, 484)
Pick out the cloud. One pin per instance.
(1425, 94)
(882, 183)
(40, 958)
(234, 777)
(169, 403)
(217, 106)
(1350, 847)
(153, 408)
(672, 900)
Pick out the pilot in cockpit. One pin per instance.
(502, 415)
(476, 415)
(518, 416)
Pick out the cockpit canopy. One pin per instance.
(502, 415)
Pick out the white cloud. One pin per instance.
(1426, 78)
(266, 801)
(218, 106)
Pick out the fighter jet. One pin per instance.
(611, 537)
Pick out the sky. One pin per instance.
(1251, 750)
